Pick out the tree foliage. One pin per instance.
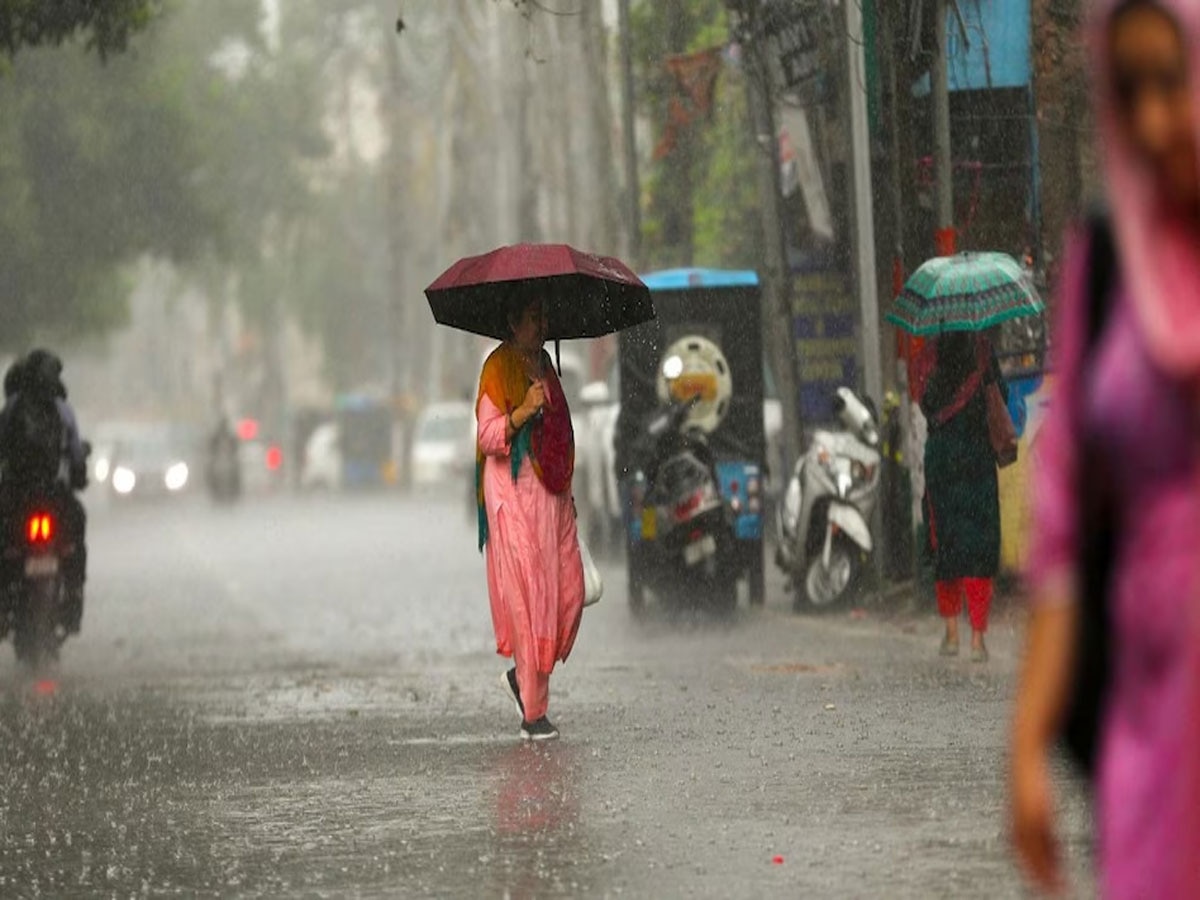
(105, 25)
(700, 198)
(96, 167)
(192, 146)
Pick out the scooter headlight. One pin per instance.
(861, 473)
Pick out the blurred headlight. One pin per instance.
(102, 469)
(176, 478)
(123, 480)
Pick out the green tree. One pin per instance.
(700, 197)
(105, 25)
(96, 167)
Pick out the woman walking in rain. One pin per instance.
(962, 498)
(1125, 428)
(525, 460)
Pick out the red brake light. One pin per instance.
(40, 529)
(247, 429)
(689, 506)
(274, 458)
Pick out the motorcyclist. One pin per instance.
(41, 453)
(224, 473)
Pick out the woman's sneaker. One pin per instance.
(508, 682)
(541, 730)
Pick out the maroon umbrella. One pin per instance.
(586, 295)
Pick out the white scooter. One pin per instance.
(825, 537)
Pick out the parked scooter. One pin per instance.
(825, 538)
(685, 527)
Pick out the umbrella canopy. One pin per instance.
(586, 295)
(967, 292)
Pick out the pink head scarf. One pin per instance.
(1160, 255)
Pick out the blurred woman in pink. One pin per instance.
(525, 462)
(1126, 424)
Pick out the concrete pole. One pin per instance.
(633, 208)
(864, 212)
(776, 276)
(864, 242)
(943, 165)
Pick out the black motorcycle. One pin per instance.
(37, 553)
(681, 528)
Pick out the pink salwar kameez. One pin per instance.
(534, 571)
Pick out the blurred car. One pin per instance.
(146, 461)
(322, 468)
(442, 451)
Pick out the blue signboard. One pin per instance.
(996, 52)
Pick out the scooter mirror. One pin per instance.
(856, 416)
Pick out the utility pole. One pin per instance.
(864, 213)
(633, 208)
(943, 171)
(776, 276)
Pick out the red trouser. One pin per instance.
(979, 599)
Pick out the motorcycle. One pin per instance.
(36, 554)
(225, 474)
(683, 527)
(825, 538)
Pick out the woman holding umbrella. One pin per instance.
(962, 497)
(526, 457)
(954, 301)
(525, 295)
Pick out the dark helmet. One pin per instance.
(13, 379)
(42, 371)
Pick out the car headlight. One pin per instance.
(123, 480)
(102, 470)
(176, 478)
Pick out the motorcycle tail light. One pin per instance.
(40, 528)
(687, 507)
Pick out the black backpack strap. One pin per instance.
(1083, 721)
(1102, 275)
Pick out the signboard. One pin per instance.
(798, 158)
(793, 33)
(824, 328)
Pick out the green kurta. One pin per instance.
(962, 495)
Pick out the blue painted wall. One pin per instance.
(997, 54)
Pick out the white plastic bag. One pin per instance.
(593, 584)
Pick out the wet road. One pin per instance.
(298, 698)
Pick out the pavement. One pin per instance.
(297, 697)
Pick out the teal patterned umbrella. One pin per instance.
(967, 292)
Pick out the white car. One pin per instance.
(441, 452)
